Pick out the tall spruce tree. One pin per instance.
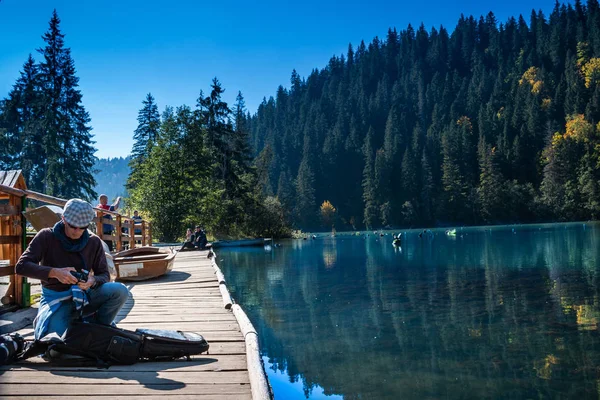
(241, 150)
(20, 121)
(145, 137)
(67, 143)
(306, 207)
(371, 208)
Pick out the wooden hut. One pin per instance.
(12, 234)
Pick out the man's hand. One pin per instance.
(63, 275)
(86, 285)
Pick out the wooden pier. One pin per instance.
(189, 299)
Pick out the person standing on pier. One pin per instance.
(53, 255)
(107, 229)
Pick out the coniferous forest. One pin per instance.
(493, 122)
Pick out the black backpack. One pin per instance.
(109, 345)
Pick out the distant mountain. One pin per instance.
(111, 175)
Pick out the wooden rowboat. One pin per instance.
(239, 243)
(143, 263)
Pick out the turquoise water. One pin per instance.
(492, 313)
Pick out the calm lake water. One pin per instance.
(500, 313)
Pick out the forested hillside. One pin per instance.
(111, 175)
(494, 121)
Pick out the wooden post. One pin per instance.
(258, 380)
(25, 285)
(99, 227)
(119, 234)
(15, 222)
(143, 233)
(149, 234)
(131, 233)
(227, 302)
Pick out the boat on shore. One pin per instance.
(143, 263)
(240, 243)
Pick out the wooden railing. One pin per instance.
(123, 227)
(127, 232)
(144, 238)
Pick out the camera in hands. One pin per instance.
(82, 276)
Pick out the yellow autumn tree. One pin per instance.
(328, 212)
(531, 76)
(591, 72)
(465, 121)
(578, 128)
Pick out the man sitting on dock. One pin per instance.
(199, 238)
(56, 256)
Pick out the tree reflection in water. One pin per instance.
(487, 314)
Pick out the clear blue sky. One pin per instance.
(173, 49)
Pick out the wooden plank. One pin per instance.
(196, 285)
(200, 327)
(179, 295)
(202, 363)
(237, 396)
(119, 389)
(201, 288)
(9, 210)
(150, 318)
(7, 270)
(213, 301)
(200, 307)
(10, 239)
(139, 310)
(35, 377)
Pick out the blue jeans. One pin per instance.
(104, 305)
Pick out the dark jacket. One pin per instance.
(46, 252)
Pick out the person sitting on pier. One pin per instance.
(54, 256)
(196, 240)
(199, 238)
(107, 229)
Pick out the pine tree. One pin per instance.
(220, 135)
(371, 206)
(242, 153)
(455, 191)
(306, 206)
(427, 187)
(20, 120)
(145, 137)
(263, 164)
(490, 193)
(67, 144)
(161, 183)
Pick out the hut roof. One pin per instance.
(13, 178)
